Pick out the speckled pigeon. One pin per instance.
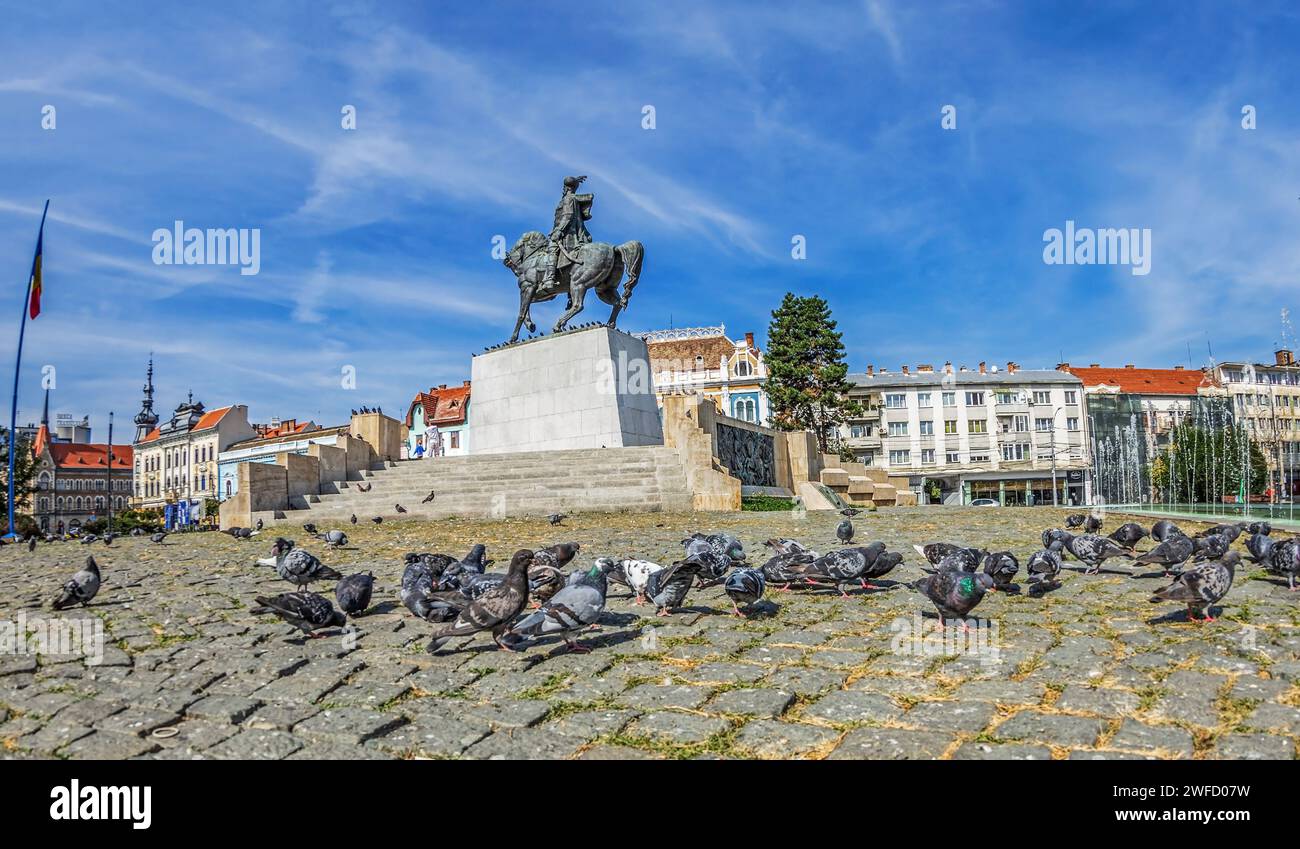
(780, 545)
(1076, 520)
(1210, 547)
(634, 574)
(784, 568)
(834, 568)
(494, 610)
(334, 539)
(1002, 567)
(1284, 559)
(1170, 554)
(419, 588)
(298, 567)
(1093, 523)
(1259, 545)
(881, 567)
(158, 537)
(667, 588)
(81, 587)
(1229, 531)
(1164, 529)
(1129, 534)
(1093, 550)
(306, 611)
(1043, 567)
(935, 552)
(353, 593)
(1201, 586)
(578, 604)
(1259, 528)
(955, 593)
(745, 585)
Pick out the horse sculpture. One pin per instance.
(596, 265)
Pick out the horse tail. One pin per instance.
(632, 253)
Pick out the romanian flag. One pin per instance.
(34, 306)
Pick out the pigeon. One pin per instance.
(1229, 531)
(364, 487)
(353, 593)
(158, 537)
(935, 552)
(1129, 534)
(667, 587)
(1075, 520)
(31, 544)
(557, 555)
(297, 566)
(137, 531)
(1171, 553)
(310, 528)
(1094, 550)
(844, 532)
(784, 568)
(494, 610)
(419, 586)
(88, 539)
(556, 518)
(306, 611)
(244, 533)
(1201, 586)
(1002, 566)
(1259, 528)
(745, 586)
(882, 566)
(428, 497)
(1092, 524)
(1258, 545)
(378, 520)
(1211, 547)
(1043, 568)
(1284, 559)
(399, 508)
(781, 545)
(108, 538)
(955, 593)
(634, 574)
(712, 566)
(578, 604)
(259, 524)
(850, 512)
(722, 544)
(81, 588)
(334, 539)
(1162, 530)
(353, 519)
(835, 568)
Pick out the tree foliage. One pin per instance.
(25, 466)
(1204, 464)
(807, 386)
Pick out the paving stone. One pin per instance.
(590, 724)
(108, 746)
(805, 681)
(1001, 752)
(1141, 737)
(1056, 729)
(351, 725)
(725, 673)
(964, 717)
(653, 696)
(1102, 701)
(55, 734)
(137, 721)
(1258, 689)
(1254, 747)
(229, 709)
(675, 727)
(891, 744)
(1002, 692)
(751, 702)
(1274, 717)
(430, 736)
(280, 717)
(523, 744)
(256, 744)
(845, 707)
(616, 753)
(770, 738)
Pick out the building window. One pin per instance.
(1006, 398)
(927, 428)
(949, 425)
(742, 368)
(1041, 397)
(1016, 451)
(898, 428)
(45, 505)
(923, 399)
(895, 401)
(977, 426)
(979, 458)
(1022, 424)
(974, 399)
(953, 458)
(228, 493)
(927, 456)
(1071, 396)
(950, 399)
(900, 458)
(1043, 425)
(455, 438)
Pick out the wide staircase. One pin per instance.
(643, 479)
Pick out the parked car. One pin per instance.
(984, 502)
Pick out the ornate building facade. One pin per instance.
(705, 361)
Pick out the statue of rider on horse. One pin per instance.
(569, 262)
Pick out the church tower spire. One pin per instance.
(146, 420)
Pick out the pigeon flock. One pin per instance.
(545, 592)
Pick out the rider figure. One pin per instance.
(570, 230)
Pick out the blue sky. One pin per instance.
(772, 120)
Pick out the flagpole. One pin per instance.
(18, 362)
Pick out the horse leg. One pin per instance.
(577, 289)
(608, 291)
(525, 299)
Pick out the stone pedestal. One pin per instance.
(588, 388)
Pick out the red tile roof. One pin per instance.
(1144, 381)
(443, 405)
(209, 419)
(74, 455)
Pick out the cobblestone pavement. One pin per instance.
(1092, 670)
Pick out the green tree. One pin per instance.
(1204, 464)
(25, 465)
(806, 383)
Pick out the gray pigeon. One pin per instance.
(419, 588)
(298, 567)
(1230, 531)
(1164, 529)
(744, 586)
(1284, 559)
(1210, 547)
(880, 567)
(780, 545)
(844, 531)
(1002, 566)
(1201, 586)
(1258, 545)
(1129, 534)
(1170, 554)
(784, 568)
(1076, 520)
(835, 568)
(1092, 524)
(81, 588)
(955, 593)
(306, 611)
(578, 604)
(1093, 550)
(1044, 567)
(937, 552)
(556, 518)
(494, 610)
(158, 537)
(667, 587)
(1259, 528)
(334, 539)
(353, 593)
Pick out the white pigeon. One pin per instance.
(638, 574)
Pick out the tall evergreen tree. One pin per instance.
(1205, 464)
(25, 463)
(806, 383)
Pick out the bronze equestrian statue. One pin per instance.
(569, 262)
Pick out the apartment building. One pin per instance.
(1265, 398)
(963, 434)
